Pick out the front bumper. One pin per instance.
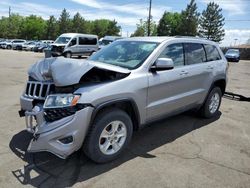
(232, 59)
(47, 136)
(56, 54)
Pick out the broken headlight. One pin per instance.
(61, 100)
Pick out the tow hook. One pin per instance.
(35, 137)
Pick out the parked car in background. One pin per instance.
(38, 44)
(28, 46)
(107, 40)
(74, 44)
(97, 103)
(233, 55)
(7, 44)
(17, 44)
(2, 42)
(47, 41)
(43, 46)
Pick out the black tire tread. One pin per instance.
(203, 110)
(88, 147)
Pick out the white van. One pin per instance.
(74, 44)
(107, 40)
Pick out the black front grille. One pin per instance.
(53, 114)
(38, 90)
(57, 48)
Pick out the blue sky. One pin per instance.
(128, 12)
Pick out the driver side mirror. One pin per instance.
(162, 64)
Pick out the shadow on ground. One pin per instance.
(236, 97)
(44, 169)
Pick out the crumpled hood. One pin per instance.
(65, 72)
(55, 44)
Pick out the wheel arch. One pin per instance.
(126, 104)
(221, 83)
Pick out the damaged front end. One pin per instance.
(50, 105)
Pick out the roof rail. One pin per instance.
(191, 37)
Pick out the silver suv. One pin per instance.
(96, 104)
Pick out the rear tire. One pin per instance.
(212, 104)
(109, 135)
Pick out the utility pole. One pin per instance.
(9, 20)
(149, 16)
(9, 11)
(235, 40)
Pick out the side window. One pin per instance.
(175, 52)
(87, 41)
(72, 42)
(82, 41)
(212, 53)
(194, 53)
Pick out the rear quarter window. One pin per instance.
(212, 52)
(87, 41)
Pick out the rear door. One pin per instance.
(199, 72)
(215, 64)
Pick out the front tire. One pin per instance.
(109, 135)
(68, 55)
(212, 104)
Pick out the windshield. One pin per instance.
(62, 40)
(232, 51)
(127, 54)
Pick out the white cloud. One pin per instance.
(27, 8)
(233, 7)
(231, 34)
(140, 10)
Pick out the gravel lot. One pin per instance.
(182, 151)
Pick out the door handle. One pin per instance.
(184, 73)
(210, 67)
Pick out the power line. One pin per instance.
(238, 20)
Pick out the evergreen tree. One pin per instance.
(168, 24)
(78, 24)
(64, 22)
(142, 29)
(212, 22)
(113, 28)
(52, 29)
(189, 20)
(15, 22)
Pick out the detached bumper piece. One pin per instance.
(34, 118)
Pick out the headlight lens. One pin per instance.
(61, 100)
